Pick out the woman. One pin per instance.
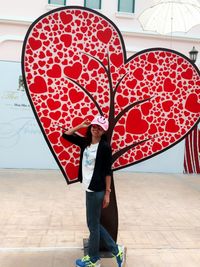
(95, 175)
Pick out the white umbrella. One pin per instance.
(168, 16)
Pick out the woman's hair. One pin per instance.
(88, 136)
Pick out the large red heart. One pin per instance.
(152, 99)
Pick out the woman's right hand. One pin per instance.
(85, 123)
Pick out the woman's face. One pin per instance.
(97, 131)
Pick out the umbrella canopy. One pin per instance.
(168, 16)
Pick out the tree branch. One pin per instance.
(120, 82)
(97, 61)
(125, 149)
(88, 94)
(117, 118)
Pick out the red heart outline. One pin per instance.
(122, 72)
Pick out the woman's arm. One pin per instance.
(84, 124)
(74, 138)
(106, 199)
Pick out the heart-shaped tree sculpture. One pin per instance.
(75, 67)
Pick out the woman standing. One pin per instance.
(95, 176)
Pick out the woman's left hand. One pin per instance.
(106, 200)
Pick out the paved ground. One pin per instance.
(42, 220)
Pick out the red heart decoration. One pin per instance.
(34, 43)
(135, 124)
(55, 71)
(65, 18)
(171, 126)
(39, 85)
(187, 74)
(52, 104)
(167, 105)
(66, 39)
(151, 99)
(104, 35)
(73, 71)
(117, 59)
(168, 85)
(75, 96)
(192, 103)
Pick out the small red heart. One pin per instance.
(131, 84)
(55, 71)
(117, 59)
(139, 155)
(153, 129)
(53, 104)
(41, 72)
(85, 76)
(39, 86)
(93, 65)
(43, 36)
(66, 39)
(192, 103)
(123, 161)
(152, 58)
(34, 43)
(138, 73)
(46, 122)
(84, 111)
(167, 105)
(55, 115)
(171, 126)
(64, 156)
(146, 107)
(41, 63)
(156, 147)
(73, 71)
(187, 74)
(104, 36)
(42, 55)
(150, 77)
(58, 149)
(92, 86)
(53, 137)
(168, 85)
(75, 96)
(46, 43)
(72, 171)
(122, 101)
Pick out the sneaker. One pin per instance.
(86, 262)
(120, 257)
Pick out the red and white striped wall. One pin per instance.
(192, 152)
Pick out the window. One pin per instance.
(57, 2)
(96, 4)
(126, 6)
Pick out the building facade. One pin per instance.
(15, 20)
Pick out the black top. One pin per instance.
(103, 161)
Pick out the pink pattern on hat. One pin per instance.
(101, 121)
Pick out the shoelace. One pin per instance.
(86, 258)
(88, 262)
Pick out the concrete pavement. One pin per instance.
(42, 219)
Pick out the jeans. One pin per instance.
(94, 202)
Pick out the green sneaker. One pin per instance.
(86, 262)
(120, 257)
